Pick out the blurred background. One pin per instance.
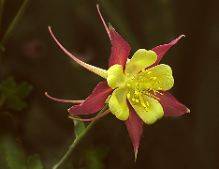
(35, 131)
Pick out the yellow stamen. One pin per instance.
(128, 95)
(153, 78)
(137, 92)
(148, 72)
(142, 101)
(147, 103)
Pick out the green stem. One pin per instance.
(73, 145)
(14, 22)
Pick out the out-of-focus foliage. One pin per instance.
(34, 162)
(12, 156)
(94, 157)
(12, 95)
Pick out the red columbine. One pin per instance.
(135, 90)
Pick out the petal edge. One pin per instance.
(94, 102)
(162, 49)
(120, 47)
(118, 104)
(172, 107)
(134, 126)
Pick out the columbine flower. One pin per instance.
(135, 89)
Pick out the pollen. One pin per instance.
(147, 103)
(148, 72)
(128, 95)
(143, 104)
(153, 78)
(128, 85)
(145, 83)
(137, 93)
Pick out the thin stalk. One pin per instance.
(72, 146)
(75, 143)
(14, 22)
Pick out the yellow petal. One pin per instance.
(115, 76)
(118, 104)
(140, 60)
(149, 110)
(159, 77)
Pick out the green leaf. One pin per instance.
(34, 162)
(15, 103)
(12, 95)
(24, 89)
(11, 154)
(9, 82)
(79, 127)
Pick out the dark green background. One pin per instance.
(188, 142)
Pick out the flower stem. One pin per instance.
(73, 145)
(14, 22)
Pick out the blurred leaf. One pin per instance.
(34, 162)
(15, 103)
(94, 157)
(12, 94)
(79, 127)
(24, 89)
(12, 155)
(9, 82)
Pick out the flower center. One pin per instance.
(141, 85)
